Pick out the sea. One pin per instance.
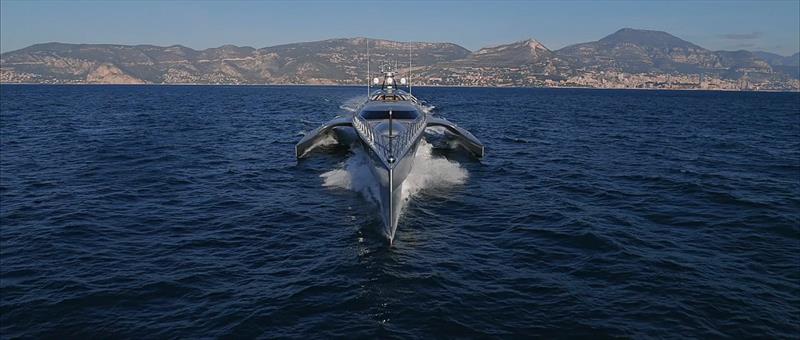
(182, 212)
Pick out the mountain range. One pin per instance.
(624, 57)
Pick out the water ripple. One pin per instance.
(180, 211)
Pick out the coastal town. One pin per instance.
(521, 77)
(511, 77)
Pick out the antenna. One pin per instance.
(409, 67)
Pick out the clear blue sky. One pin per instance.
(758, 25)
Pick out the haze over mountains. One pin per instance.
(626, 58)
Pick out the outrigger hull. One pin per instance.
(462, 136)
(311, 139)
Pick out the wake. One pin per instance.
(428, 172)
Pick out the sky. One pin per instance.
(772, 26)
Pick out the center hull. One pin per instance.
(391, 179)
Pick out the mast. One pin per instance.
(367, 39)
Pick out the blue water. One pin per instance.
(180, 211)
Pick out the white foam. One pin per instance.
(428, 172)
(432, 172)
(355, 175)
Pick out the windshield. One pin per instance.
(400, 114)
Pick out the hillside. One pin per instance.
(335, 61)
(628, 58)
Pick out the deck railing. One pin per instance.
(396, 145)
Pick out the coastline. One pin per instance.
(423, 86)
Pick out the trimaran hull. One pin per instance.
(390, 125)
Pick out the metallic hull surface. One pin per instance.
(390, 179)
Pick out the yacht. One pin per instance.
(389, 125)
